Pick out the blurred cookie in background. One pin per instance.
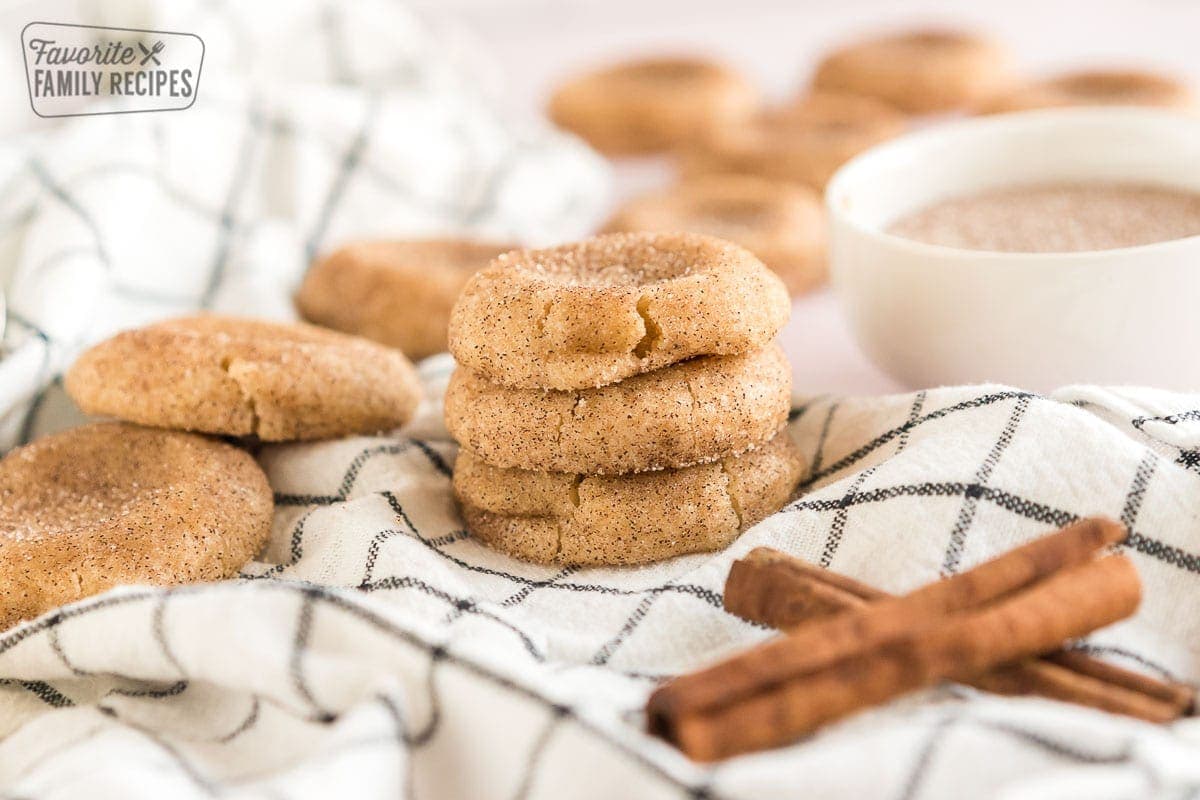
(920, 72)
(780, 222)
(1095, 88)
(397, 293)
(805, 142)
(652, 104)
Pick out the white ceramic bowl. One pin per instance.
(931, 315)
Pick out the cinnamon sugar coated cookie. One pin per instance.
(595, 312)
(702, 410)
(398, 293)
(1095, 88)
(781, 223)
(805, 142)
(244, 377)
(562, 518)
(919, 71)
(107, 504)
(652, 104)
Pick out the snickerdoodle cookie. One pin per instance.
(594, 312)
(562, 518)
(919, 71)
(398, 293)
(805, 142)
(780, 222)
(649, 105)
(244, 377)
(1095, 88)
(701, 410)
(91, 508)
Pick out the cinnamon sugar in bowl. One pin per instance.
(1056, 218)
(1036, 249)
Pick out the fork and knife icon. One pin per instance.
(151, 53)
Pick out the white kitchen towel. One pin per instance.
(315, 123)
(377, 650)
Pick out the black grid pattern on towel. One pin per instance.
(258, 134)
(408, 561)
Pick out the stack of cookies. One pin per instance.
(620, 400)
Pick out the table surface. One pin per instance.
(538, 42)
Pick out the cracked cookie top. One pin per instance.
(595, 312)
(243, 377)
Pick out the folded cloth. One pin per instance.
(377, 648)
(314, 124)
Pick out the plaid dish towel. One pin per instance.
(376, 650)
(315, 123)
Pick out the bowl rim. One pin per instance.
(1013, 121)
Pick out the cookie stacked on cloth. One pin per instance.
(150, 499)
(619, 400)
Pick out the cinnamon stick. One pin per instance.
(1023, 603)
(1034, 619)
(1179, 695)
(782, 591)
(816, 645)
